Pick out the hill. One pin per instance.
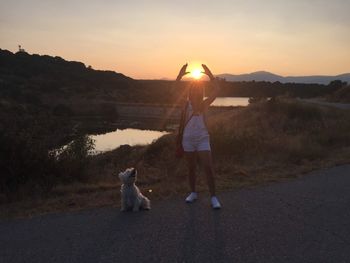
(70, 88)
(270, 77)
(24, 76)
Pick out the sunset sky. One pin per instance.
(152, 39)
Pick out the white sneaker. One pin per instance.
(192, 197)
(215, 204)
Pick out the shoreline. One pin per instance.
(264, 142)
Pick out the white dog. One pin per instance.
(131, 197)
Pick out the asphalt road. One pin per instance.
(302, 220)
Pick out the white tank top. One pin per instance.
(196, 126)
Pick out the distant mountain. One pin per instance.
(267, 76)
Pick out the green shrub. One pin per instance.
(73, 159)
(62, 110)
(28, 164)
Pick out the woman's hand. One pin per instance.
(215, 86)
(208, 72)
(182, 72)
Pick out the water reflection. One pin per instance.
(230, 101)
(112, 140)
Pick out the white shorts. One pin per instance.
(196, 144)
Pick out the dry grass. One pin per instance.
(342, 95)
(265, 142)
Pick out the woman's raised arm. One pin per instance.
(215, 86)
(182, 72)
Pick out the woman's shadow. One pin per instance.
(204, 234)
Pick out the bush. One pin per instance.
(62, 110)
(341, 95)
(257, 99)
(73, 159)
(27, 163)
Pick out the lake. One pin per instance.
(130, 136)
(230, 101)
(112, 140)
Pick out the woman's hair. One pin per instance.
(196, 95)
(196, 88)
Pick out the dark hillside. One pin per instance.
(53, 81)
(35, 78)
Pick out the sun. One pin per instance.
(196, 73)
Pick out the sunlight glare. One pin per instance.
(196, 73)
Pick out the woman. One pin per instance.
(195, 135)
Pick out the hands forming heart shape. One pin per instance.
(183, 72)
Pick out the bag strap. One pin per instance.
(188, 120)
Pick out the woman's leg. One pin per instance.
(191, 164)
(207, 163)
